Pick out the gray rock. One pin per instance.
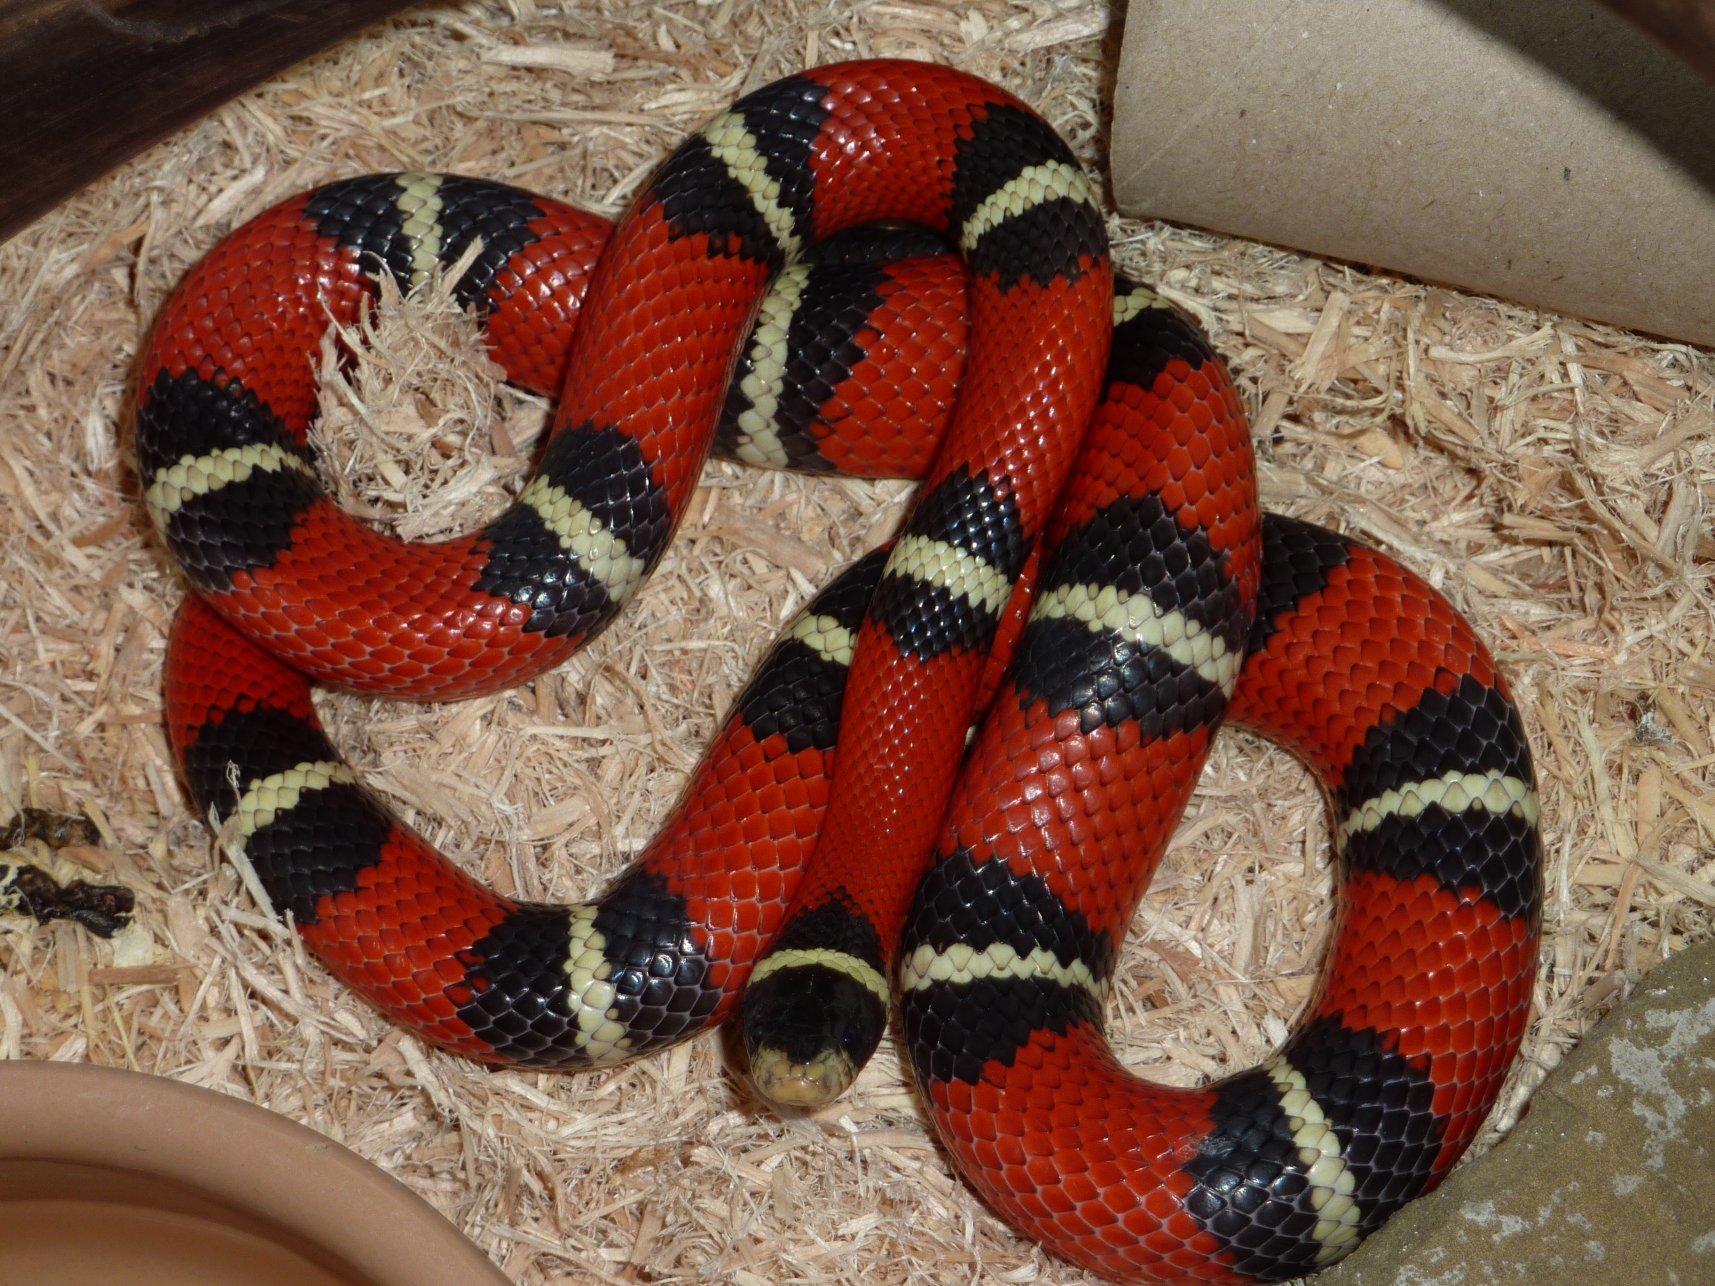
(1610, 1177)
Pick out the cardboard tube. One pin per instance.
(1545, 150)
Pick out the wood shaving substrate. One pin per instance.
(1550, 476)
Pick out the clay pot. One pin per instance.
(111, 1176)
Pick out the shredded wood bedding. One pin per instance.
(1552, 477)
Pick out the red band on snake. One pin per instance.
(1159, 582)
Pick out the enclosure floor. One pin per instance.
(1549, 475)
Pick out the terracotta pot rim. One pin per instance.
(154, 1136)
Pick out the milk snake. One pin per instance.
(1159, 581)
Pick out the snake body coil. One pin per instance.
(1156, 600)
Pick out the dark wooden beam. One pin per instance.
(85, 84)
(1685, 27)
